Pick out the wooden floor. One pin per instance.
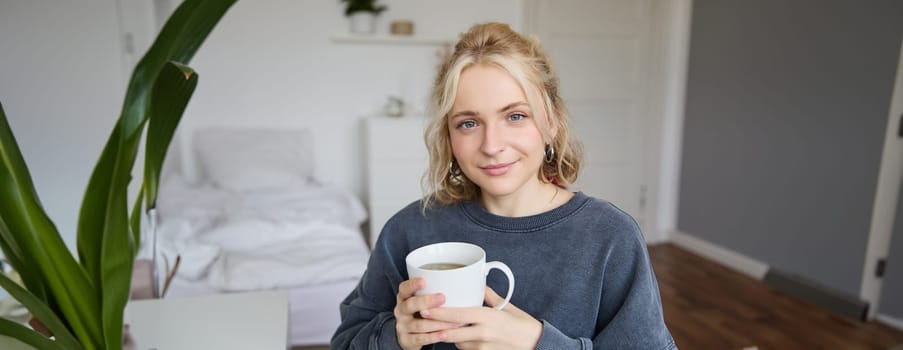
(708, 306)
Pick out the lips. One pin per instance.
(497, 169)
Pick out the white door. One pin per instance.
(890, 176)
(601, 50)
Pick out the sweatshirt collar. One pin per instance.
(475, 211)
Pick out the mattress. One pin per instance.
(262, 239)
(304, 238)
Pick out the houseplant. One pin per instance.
(82, 301)
(362, 14)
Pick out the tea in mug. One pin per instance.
(441, 266)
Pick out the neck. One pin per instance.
(541, 198)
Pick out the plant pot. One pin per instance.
(363, 23)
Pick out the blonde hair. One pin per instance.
(523, 58)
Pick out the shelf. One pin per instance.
(390, 39)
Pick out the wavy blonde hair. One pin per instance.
(522, 57)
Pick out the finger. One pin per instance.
(467, 336)
(468, 345)
(492, 298)
(407, 288)
(421, 302)
(423, 339)
(460, 315)
(428, 326)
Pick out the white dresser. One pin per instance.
(396, 161)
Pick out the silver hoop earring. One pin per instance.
(550, 153)
(453, 169)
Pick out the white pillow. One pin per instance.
(252, 159)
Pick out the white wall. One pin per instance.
(61, 85)
(272, 63)
(269, 63)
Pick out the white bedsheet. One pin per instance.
(302, 235)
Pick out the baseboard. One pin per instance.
(783, 281)
(892, 322)
(814, 292)
(729, 258)
(660, 237)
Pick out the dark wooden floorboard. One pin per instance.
(708, 306)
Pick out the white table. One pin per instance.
(254, 320)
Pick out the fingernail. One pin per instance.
(439, 299)
(424, 313)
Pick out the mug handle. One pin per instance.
(504, 268)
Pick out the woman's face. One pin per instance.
(494, 134)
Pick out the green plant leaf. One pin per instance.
(43, 254)
(178, 40)
(42, 312)
(9, 242)
(90, 297)
(136, 221)
(14, 255)
(103, 216)
(169, 97)
(116, 260)
(370, 6)
(170, 94)
(27, 336)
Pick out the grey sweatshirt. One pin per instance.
(582, 269)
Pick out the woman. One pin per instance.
(501, 158)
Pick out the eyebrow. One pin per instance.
(469, 113)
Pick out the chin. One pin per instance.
(497, 187)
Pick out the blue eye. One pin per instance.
(467, 124)
(516, 117)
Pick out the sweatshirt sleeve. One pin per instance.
(630, 315)
(364, 327)
(631, 307)
(552, 339)
(368, 321)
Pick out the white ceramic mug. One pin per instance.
(463, 279)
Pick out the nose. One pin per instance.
(493, 140)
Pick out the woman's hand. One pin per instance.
(412, 331)
(509, 328)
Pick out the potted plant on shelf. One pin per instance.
(362, 14)
(81, 302)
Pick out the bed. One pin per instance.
(250, 216)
